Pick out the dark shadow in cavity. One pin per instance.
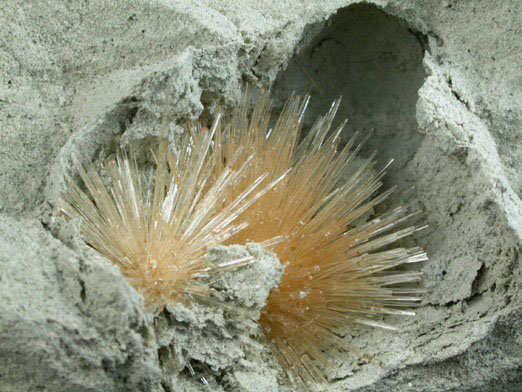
(374, 61)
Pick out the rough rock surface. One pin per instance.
(438, 81)
(232, 343)
(68, 321)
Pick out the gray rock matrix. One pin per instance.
(438, 81)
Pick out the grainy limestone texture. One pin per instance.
(439, 82)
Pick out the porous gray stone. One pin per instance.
(68, 322)
(219, 337)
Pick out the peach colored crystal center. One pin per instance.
(247, 182)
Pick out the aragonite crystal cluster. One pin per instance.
(248, 181)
